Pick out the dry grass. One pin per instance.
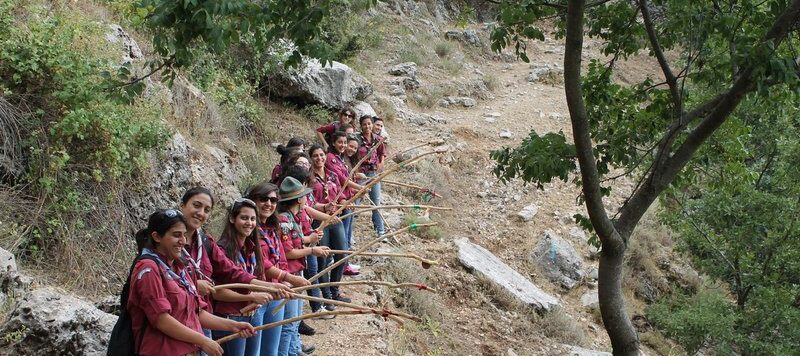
(660, 344)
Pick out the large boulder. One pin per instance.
(558, 260)
(332, 86)
(49, 322)
(479, 260)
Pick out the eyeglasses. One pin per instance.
(171, 213)
(264, 199)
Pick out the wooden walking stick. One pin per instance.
(413, 186)
(368, 208)
(374, 181)
(369, 283)
(426, 263)
(381, 312)
(356, 253)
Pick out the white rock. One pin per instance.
(527, 213)
(505, 134)
(479, 260)
(590, 299)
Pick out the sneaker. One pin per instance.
(305, 329)
(323, 317)
(350, 271)
(353, 265)
(330, 307)
(308, 349)
(342, 298)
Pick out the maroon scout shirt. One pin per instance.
(335, 165)
(377, 156)
(276, 173)
(246, 261)
(272, 250)
(152, 295)
(217, 266)
(292, 238)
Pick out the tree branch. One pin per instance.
(725, 103)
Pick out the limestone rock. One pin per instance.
(331, 86)
(361, 108)
(468, 36)
(480, 260)
(48, 322)
(558, 260)
(579, 351)
(527, 213)
(505, 134)
(461, 101)
(182, 166)
(547, 73)
(590, 299)
(407, 69)
(130, 49)
(7, 262)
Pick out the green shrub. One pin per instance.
(706, 319)
(427, 232)
(316, 113)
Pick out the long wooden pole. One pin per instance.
(368, 208)
(412, 186)
(356, 253)
(426, 263)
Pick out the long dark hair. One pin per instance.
(160, 222)
(262, 190)
(195, 191)
(228, 237)
(302, 174)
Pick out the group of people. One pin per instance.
(271, 238)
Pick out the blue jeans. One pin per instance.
(290, 337)
(271, 338)
(375, 196)
(333, 237)
(239, 346)
(348, 229)
(310, 271)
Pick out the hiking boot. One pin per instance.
(342, 298)
(305, 329)
(308, 349)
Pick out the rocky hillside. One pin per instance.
(516, 275)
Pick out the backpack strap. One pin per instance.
(123, 300)
(204, 240)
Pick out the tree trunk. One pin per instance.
(623, 336)
(624, 339)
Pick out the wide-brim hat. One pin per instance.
(292, 189)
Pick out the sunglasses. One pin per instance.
(350, 115)
(263, 199)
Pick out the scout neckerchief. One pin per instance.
(250, 264)
(373, 159)
(271, 243)
(326, 196)
(196, 261)
(182, 279)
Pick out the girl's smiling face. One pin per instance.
(245, 221)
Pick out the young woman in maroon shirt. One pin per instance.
(372, 166)
(167, 314)
(240, 241)
(208, 259)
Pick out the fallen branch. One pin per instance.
(426, 263)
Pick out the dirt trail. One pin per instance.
(484, 214)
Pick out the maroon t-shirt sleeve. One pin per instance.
(225, 271)
(327, 129)
(146, 283)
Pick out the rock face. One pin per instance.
(547, 73)
(459, 101)
(479, 260)
(48, 322)
(361, 108)
(182, 166)
(331, 86)
(590, 299)
(130, 49)
(468, 36)
(558, 260)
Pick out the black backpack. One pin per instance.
(122, 342)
